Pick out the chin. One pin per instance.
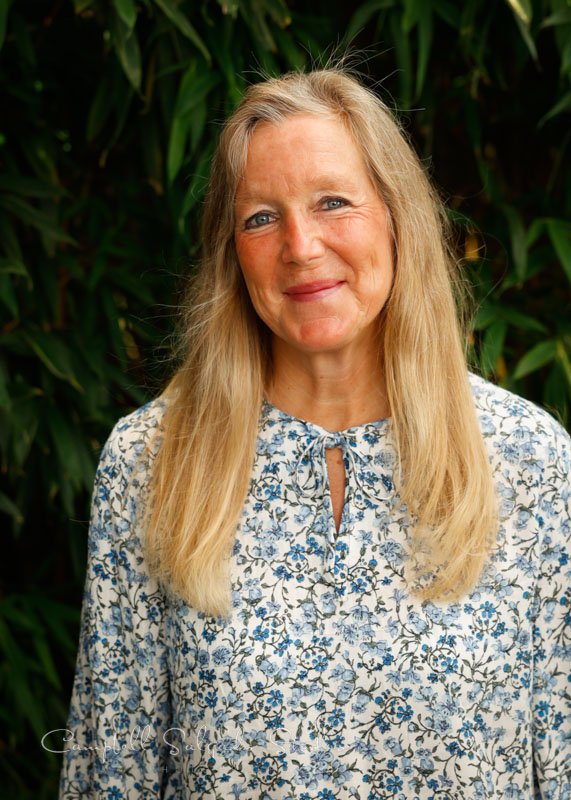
(323, 336)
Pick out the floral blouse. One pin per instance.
(330, 680)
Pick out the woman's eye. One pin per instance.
(331, 203)
(257, 220)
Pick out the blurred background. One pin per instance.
(109, 113)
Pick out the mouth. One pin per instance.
(316, 290)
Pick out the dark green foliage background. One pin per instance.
(110, 111)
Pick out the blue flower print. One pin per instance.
(330, 679)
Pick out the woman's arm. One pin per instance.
(120, 706)
(551, 707)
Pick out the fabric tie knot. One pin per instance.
(310, 471)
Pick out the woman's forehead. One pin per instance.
(319, 151)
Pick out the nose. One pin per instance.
(302, 240)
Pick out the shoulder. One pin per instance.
(499, 409)
(137, 431)
(126, 456)
(518, 429)
(116, 558)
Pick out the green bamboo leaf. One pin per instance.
(30, 215)
(5, 399)
(566, 58)
(193, 89)
(564, 361)
(10, 508)
(522, 10)
(229, 7)
(493, 345)
(560, 17)
(122, 104)
(473, 124)
(8, 296)
(411, 13)
(277, 10)
(363, 14)
(223, 56)
(295, 57)
(523, 321)
(534, 232)
(66, 493)
(560, 235)
(25, 44)
(115, 334)
(8, 644)
(59, 619)
(401, 45)
(262, 35)
(177, 143)
(54, 355)
(4, 9)
(24, 423)
(197, 184)
(522, 14)
(485, 315)
(30, 187)
(15, 680)
(518, 241)
(46, 661)
(448, 11)
(127, 11)
(556, 390)
(133, 285)
(197, 125)
(19, 612)
(82, 5)
(33, 217)
(9, 240)
(424, 44)
(540, 355)
(65, 445)
(564, 104)
(128, 52)
(170, 9)
(185, 89)
(100, 108)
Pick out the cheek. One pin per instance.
(255, 261)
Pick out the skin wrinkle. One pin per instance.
(325, 352)
(307, 211)
(442, 467)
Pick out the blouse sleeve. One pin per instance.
(551, 706)
(120, 706)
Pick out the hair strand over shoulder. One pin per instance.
(201, 474)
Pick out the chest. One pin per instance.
(336, 480)
(327, 654)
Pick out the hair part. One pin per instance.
(201, 474)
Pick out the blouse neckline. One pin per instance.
(269, 409)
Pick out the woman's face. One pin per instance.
(312, 236)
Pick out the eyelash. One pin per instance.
(249, 224)
(335, 200)
(250, 221)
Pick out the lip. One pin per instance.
(316, 290)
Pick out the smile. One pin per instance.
(310, 292)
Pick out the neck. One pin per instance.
(336, 390)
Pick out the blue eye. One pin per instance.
(257, 220)
(333, 203)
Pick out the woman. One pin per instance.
(328, 562)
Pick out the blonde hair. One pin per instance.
(202, 471)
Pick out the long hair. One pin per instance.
(202, 471)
